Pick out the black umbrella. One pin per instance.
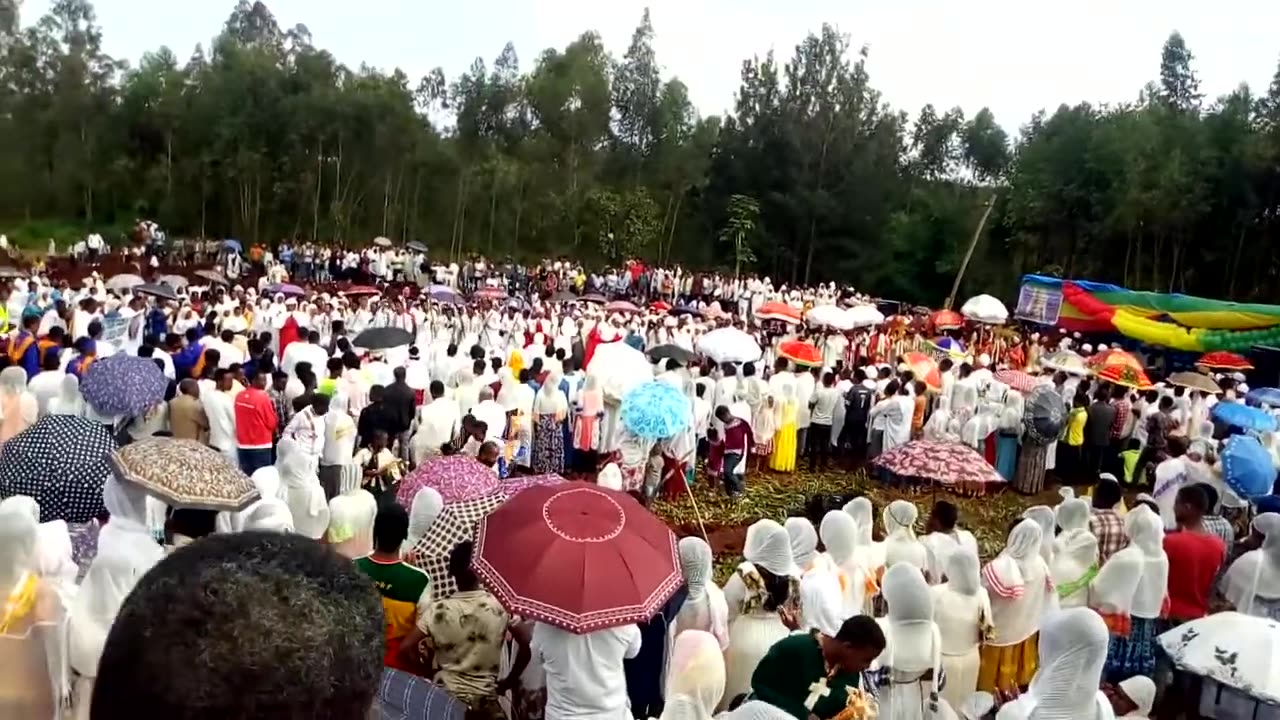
(383, 338)
(671, 352)
(212, 276)
(563, 296)
(164, 292)
(1044, 415)
(416, 246)
(61, 461)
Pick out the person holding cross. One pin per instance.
(812, 675)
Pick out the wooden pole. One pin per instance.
(968, 255)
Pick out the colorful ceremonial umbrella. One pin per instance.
(1114, 356)
(577, 556)
(1067, 361)
(1194, 381)
(1124, 374)
(457, 478)
(952, 465)
(490, 293)
(1223, 360)
(655, 410)
(800, 353)
(660, 306)
(778, 311)
(455, 524)
(729, 344)
(61, 461)
(1021, 381)
(360, 290)
(924, 368)
(123, 384)
(185, 474)
(1247, 467)
(946, 320)
(1243, 416)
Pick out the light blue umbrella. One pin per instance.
(1247, 467)
(230, 244)
(1264, 396)
(1243, 417)
(655, 410)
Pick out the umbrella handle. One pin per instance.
(697, 514)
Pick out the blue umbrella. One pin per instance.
(1247, 467)
(1263, 396)
(444, 294)
(1243, 416)
(123, 384)
(655, 410)
(229, 244)
(286, 289)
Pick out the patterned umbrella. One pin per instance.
(655, 410)
(1222, 360)
(185, 474)
(952, 465)
(924, 368)
(456, 478)
(946, 320)
(1243, 416)
(800, 353)
(1044, 415)
(123, 384)
(1232, 648)
(383, 338)
(1114, 356)
(1018, 380)
(948, 347)
(577, 556)
(1067, 361)
(455, 524)
(511, 486)
(61, 461)
(621, 306)
(1195, 381)
(1124, 374)
(1246, 467)
(778, 311)
(286, 289)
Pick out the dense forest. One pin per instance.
(264, 136)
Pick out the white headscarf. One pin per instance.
(769, 546)
(804, 541)
(900, 543)
(1142, 691)
(821, 603)
(705, 607)
(127, 530)
(1075, 563)
(268, 515)
(300, 489)
(54, 559)
(550, 401)
(1257, 572)
(267, 481)
(110, 579)
(350, 529)
(913, 644)
(1073, 649)
(1146, 531)
(1072, 513)
(695, 678)
(426, 507)
(1117, 581)
(13, 380)
(1006, 575)
(507, 397)
(962, 571)
(69, 400)
(610, 477)
(18, 541)
(1048, 522)
(867, 552)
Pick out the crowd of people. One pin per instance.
(820, 619)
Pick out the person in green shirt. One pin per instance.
(403, 587)
(809, 675)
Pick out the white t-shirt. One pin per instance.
(824, 405)
(585, 677)
(1171, 475)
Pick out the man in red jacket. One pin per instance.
(255, 424)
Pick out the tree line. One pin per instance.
(812, 176)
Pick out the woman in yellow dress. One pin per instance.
(784, 441)
(32, 625)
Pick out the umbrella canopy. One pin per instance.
(1044, 414)
(618, 368)
(948, 346)
(563, 296)
(416, 246)
(800, 353)
(621, 306)
(382, 241)
(1243, 417)
(61, 461)
(456, 478)
(686, 310)
(174, 281)
(124, 281)
(1125, 375)
(985, 309)
(1018, 380)
(670, 352)
(444, 294)
(1264, 396)
(655, 410)
(596, 298)
(185, 474)
(577, 556)
(1195, 381)
(861, 316)
(830, 316)
(8, 272)
(286, 289)
(164, 292)
(1223, 360)
(382, 338)
(359, 290)
(1067, 361)
(729, 345)
(122, 384)
(1115, 356)
(511, 486)
(1247, 467)
(660, 306)
(924, 368)
(455, 524)
(1237, 650)
(230, 244)
(213, 276)
(778, 311)
(952, 465)
(946, 320)
(491, 293)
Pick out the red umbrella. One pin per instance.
(660, 306)
(358, 290)
(924, 368)
(1121, 373)
(621, 306)
(1018, 380)
(1223, 360)
(1115, 356)
(491, 293)
(577, 556)
(946, 320)
(778, 311)
(800, 353)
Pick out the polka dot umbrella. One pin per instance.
(123, 384)
(62, 462)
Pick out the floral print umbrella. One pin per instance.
(952, 465)
(511, 486)
(1018, 380)
(1122, 373)
(456, 478)
(185, 474)
(61, 461)
(123, 384)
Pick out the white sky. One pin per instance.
(1015, 56)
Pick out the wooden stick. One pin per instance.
(696, 513)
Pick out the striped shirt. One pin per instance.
(402, 696)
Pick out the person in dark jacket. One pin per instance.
(647, 670)
(401, 404)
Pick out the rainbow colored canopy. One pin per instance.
(1181, 322)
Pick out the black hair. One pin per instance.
(192, 522)
(1194, 496)
(1106, 493)
(861, 631)
(1210, 497)
(437, 389)
(390, 528)
(946, 514)
(460, 565)
(218, 661)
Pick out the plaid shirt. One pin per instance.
(1218, 525)
(284, 410)
(1107, 526)
(1123, 410)
(402, 696)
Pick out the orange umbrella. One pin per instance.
(946, 320)
(1120, 373)
(924, 368)
(778, 311)
(1222, 360)
(1115, 356)
(800, 353)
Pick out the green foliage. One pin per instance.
(740, 230)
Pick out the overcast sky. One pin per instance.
(1015, 56)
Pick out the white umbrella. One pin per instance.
(619, 368)
(830, 316)
(985, 309)
(729, 345)
(124, 282)
(865, 316)
(1237, 650)
(1067, 361)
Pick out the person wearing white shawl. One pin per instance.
(1112, 591)
(705, 607)
(18, 407)
(550, 409)
(351, 517)
(1073, 647)
(962, 610)
(1134, 653)
(300, 489)
(467, 391)
(267, 515)
(1047, 519)
(913, 647)
(900, 543)
(754, 594)
(267, 481)
(868, 553)
(127, 530)
(978, 428)
(610, 477)
(804, 542)
(109, 580)
(756, 710)
(54, 561)
(840, 536)
(69, 400)
(1075, 554)
(1017, 583)
(424, 510)
(1138, 691)
(820, 604)
(695, 677)
(941, 426)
